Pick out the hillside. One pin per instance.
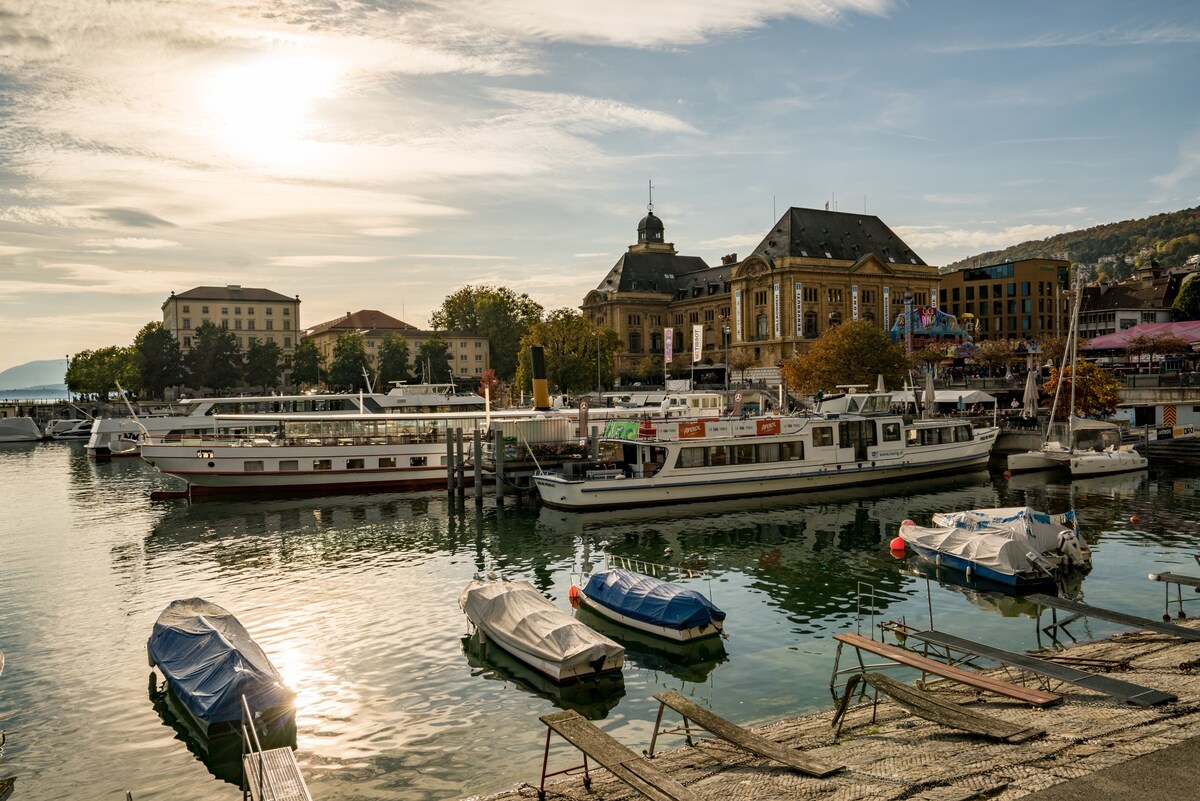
(32, 375)
(1170, 238)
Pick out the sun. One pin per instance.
(262, 111)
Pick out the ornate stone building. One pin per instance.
(813, 270)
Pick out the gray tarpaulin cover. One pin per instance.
(521, 620)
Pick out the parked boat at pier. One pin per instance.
(519, 619)
(646, 603)
(854, 439)
(19, 429)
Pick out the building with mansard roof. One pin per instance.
(814, 269)
(249, 312)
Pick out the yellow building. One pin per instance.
(1022, 299)
(249, 312)
(813, 270)
(469, 354)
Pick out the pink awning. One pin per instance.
(1188, 331)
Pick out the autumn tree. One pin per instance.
(929, 356)
(489, 385)
(158, 358)
(572, 345)
(994, 355)
(1151, 345)
(497, 313)
(856, 352)
(215, 359)
(97, 372)
(1096, 392)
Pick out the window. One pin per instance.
(186, 309)
(250, 325)
(970, 293)
(478, 343)
(954, 294)
(187, 342)
(252, 466)
(287, 325)
(387, 461)
(355, 464)
(1025, 289)
(835, 318)
(224, 310)
(983, 293)
(237, 309)
(635, 319)
(479, 356)
(679, 319)
(237, 325)
(760, 297)
(760, 326)
(270, 324)
(204, 310)
(1012, 290)
(655, 320)
(891, 432)
(811, 294)
(187, 324)
(417, 461)
(286, 311)
(822, 436)
(834, 295)
(249, 310)
(868, 296)
(709, 315)
(694, 317)
(462, 358)
(268, 311)
(289, 464)
(287, 342)
(322, 464)
(635, 342)
(810, 324)
(225, 324)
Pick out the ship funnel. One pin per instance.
(541, 392)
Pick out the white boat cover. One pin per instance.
(1024, 528)
(522, 621)
(1038, 529)
(993, 548)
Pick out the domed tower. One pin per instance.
(650, 229)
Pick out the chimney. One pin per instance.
(541, 391)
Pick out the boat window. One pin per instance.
(822, 436)
(387, 461)
(742, 454)
(791, 451)
(891, 432)
(963, 433)
(691, 457)
(289, 464)
(355, 464)
(322, 464)
(768, 453)
(417, 461)
(252, 466)
(718, 456)
(913, 437)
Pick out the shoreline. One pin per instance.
(902, 756)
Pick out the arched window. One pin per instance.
(760, 326)
(835, 318)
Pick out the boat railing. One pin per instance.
(271, 440)
(252, 746)
(653, 568)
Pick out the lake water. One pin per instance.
(355, 599)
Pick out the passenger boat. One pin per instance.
(1013, 546)
(649, 604)
(210, 662)
(69, 428)
(519, 619)
(853, 440)
(19, 429)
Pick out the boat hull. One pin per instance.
(974, 570)
(1103, 463)
(678, 635)
(1030, 461)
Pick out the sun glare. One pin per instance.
(263, 110)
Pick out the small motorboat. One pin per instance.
(519, 619)
(210, 662)
(19, 429)
(649, 604)
(1015, 546)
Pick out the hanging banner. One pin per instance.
(737, 314)
(854, 302)
(697, 342)
(887, 304)
(668, 345)
(933, 297)
(777, 293)
(799, 310)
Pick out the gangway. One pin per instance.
(1086, 610)
(1180, 581)
(271, 775)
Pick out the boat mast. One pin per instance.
(1073, 336)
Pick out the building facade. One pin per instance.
(469, 354)
(1023, 299)
(249, 312)
(814, 270)
(1113, 306)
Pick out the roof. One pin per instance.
(1189, 331)
(234, 292)
(651, 272)
(364, 319)
(816, 234)
(1134, 293)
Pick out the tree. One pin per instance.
(1054, 349)
(394, 360)
(740, 361)
(307, 363)
(1150, 345)
(489, 385)
(158, 358)
(498, 313)
(994, 355)
(649, 369)
(930, 356)
(97, 372)
(856, 352)
(349, 361)
(1187, 302)
(572, 346)
(433, 356)
(263, 367)
(1096, 393)
(215, 360)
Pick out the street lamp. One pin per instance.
(596, 334)
(725, 343)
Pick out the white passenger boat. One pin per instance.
(518, 618)
(69, 429)
(19, 429)
(854, 439)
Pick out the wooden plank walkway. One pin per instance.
(274, 777)
(634, 770)
(1029, 695)
(1133, 621)
(732, 733)
(938, 710)
(1130, 693)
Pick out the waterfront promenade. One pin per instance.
(1094, 747)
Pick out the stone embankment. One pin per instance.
(891, 754)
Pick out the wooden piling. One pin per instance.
(477, 448)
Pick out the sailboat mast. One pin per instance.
(1073, 335)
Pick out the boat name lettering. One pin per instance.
(888, 454)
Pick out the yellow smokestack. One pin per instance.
(541, 391)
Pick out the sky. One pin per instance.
(382, 154)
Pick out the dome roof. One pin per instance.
(650, 229)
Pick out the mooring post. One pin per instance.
(460, 462)
(498, 450)
(595, 443)
(477, 447)
(449, 460)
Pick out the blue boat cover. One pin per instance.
(651, 600)
(210, 661)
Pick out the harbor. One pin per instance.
(355, 599)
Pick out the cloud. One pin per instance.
(133, 218)
(131, 242)
(1111, 37)
(974, 240)
(1187, 166)
(317, 260)
(589, 114)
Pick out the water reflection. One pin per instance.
(692, 661)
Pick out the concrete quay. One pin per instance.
(1094, 747)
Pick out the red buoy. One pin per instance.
(1008, 474)
(898, 544)
(1135, 519)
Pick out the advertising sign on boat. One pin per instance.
(766, 427)
(692, 429)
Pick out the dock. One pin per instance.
(891, 753)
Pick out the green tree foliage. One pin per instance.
(433, 357)
(855, 352)
(1096, 393)
(263, 363)
(994, 355)
(97, 372)
(1054, 349)
(572, 344)
(159, 359)
(349, 361)
(1155, 346)
(1187, 302)
(497, 313)
(394, 360)
(930, 355)
(307, 364)
(215, 360)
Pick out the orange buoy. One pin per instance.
(1135, 519)
(1008, 474)
(573, 596)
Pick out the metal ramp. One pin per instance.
(268, 775)
(1180, 581)
(1125, 691)
(1086, 610)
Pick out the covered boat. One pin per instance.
(650, 604)
(520, 620)
(1016, 546)
(209, 662)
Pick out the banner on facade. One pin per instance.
(854, 302)
(799, 310)
(887, 304)
(697, 342)
(737, 314)
(668, 345)
(933, 297)
(778, 293)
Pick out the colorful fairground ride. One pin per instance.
(919, 326)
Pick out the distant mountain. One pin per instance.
(46, 374)
(1116, 248)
